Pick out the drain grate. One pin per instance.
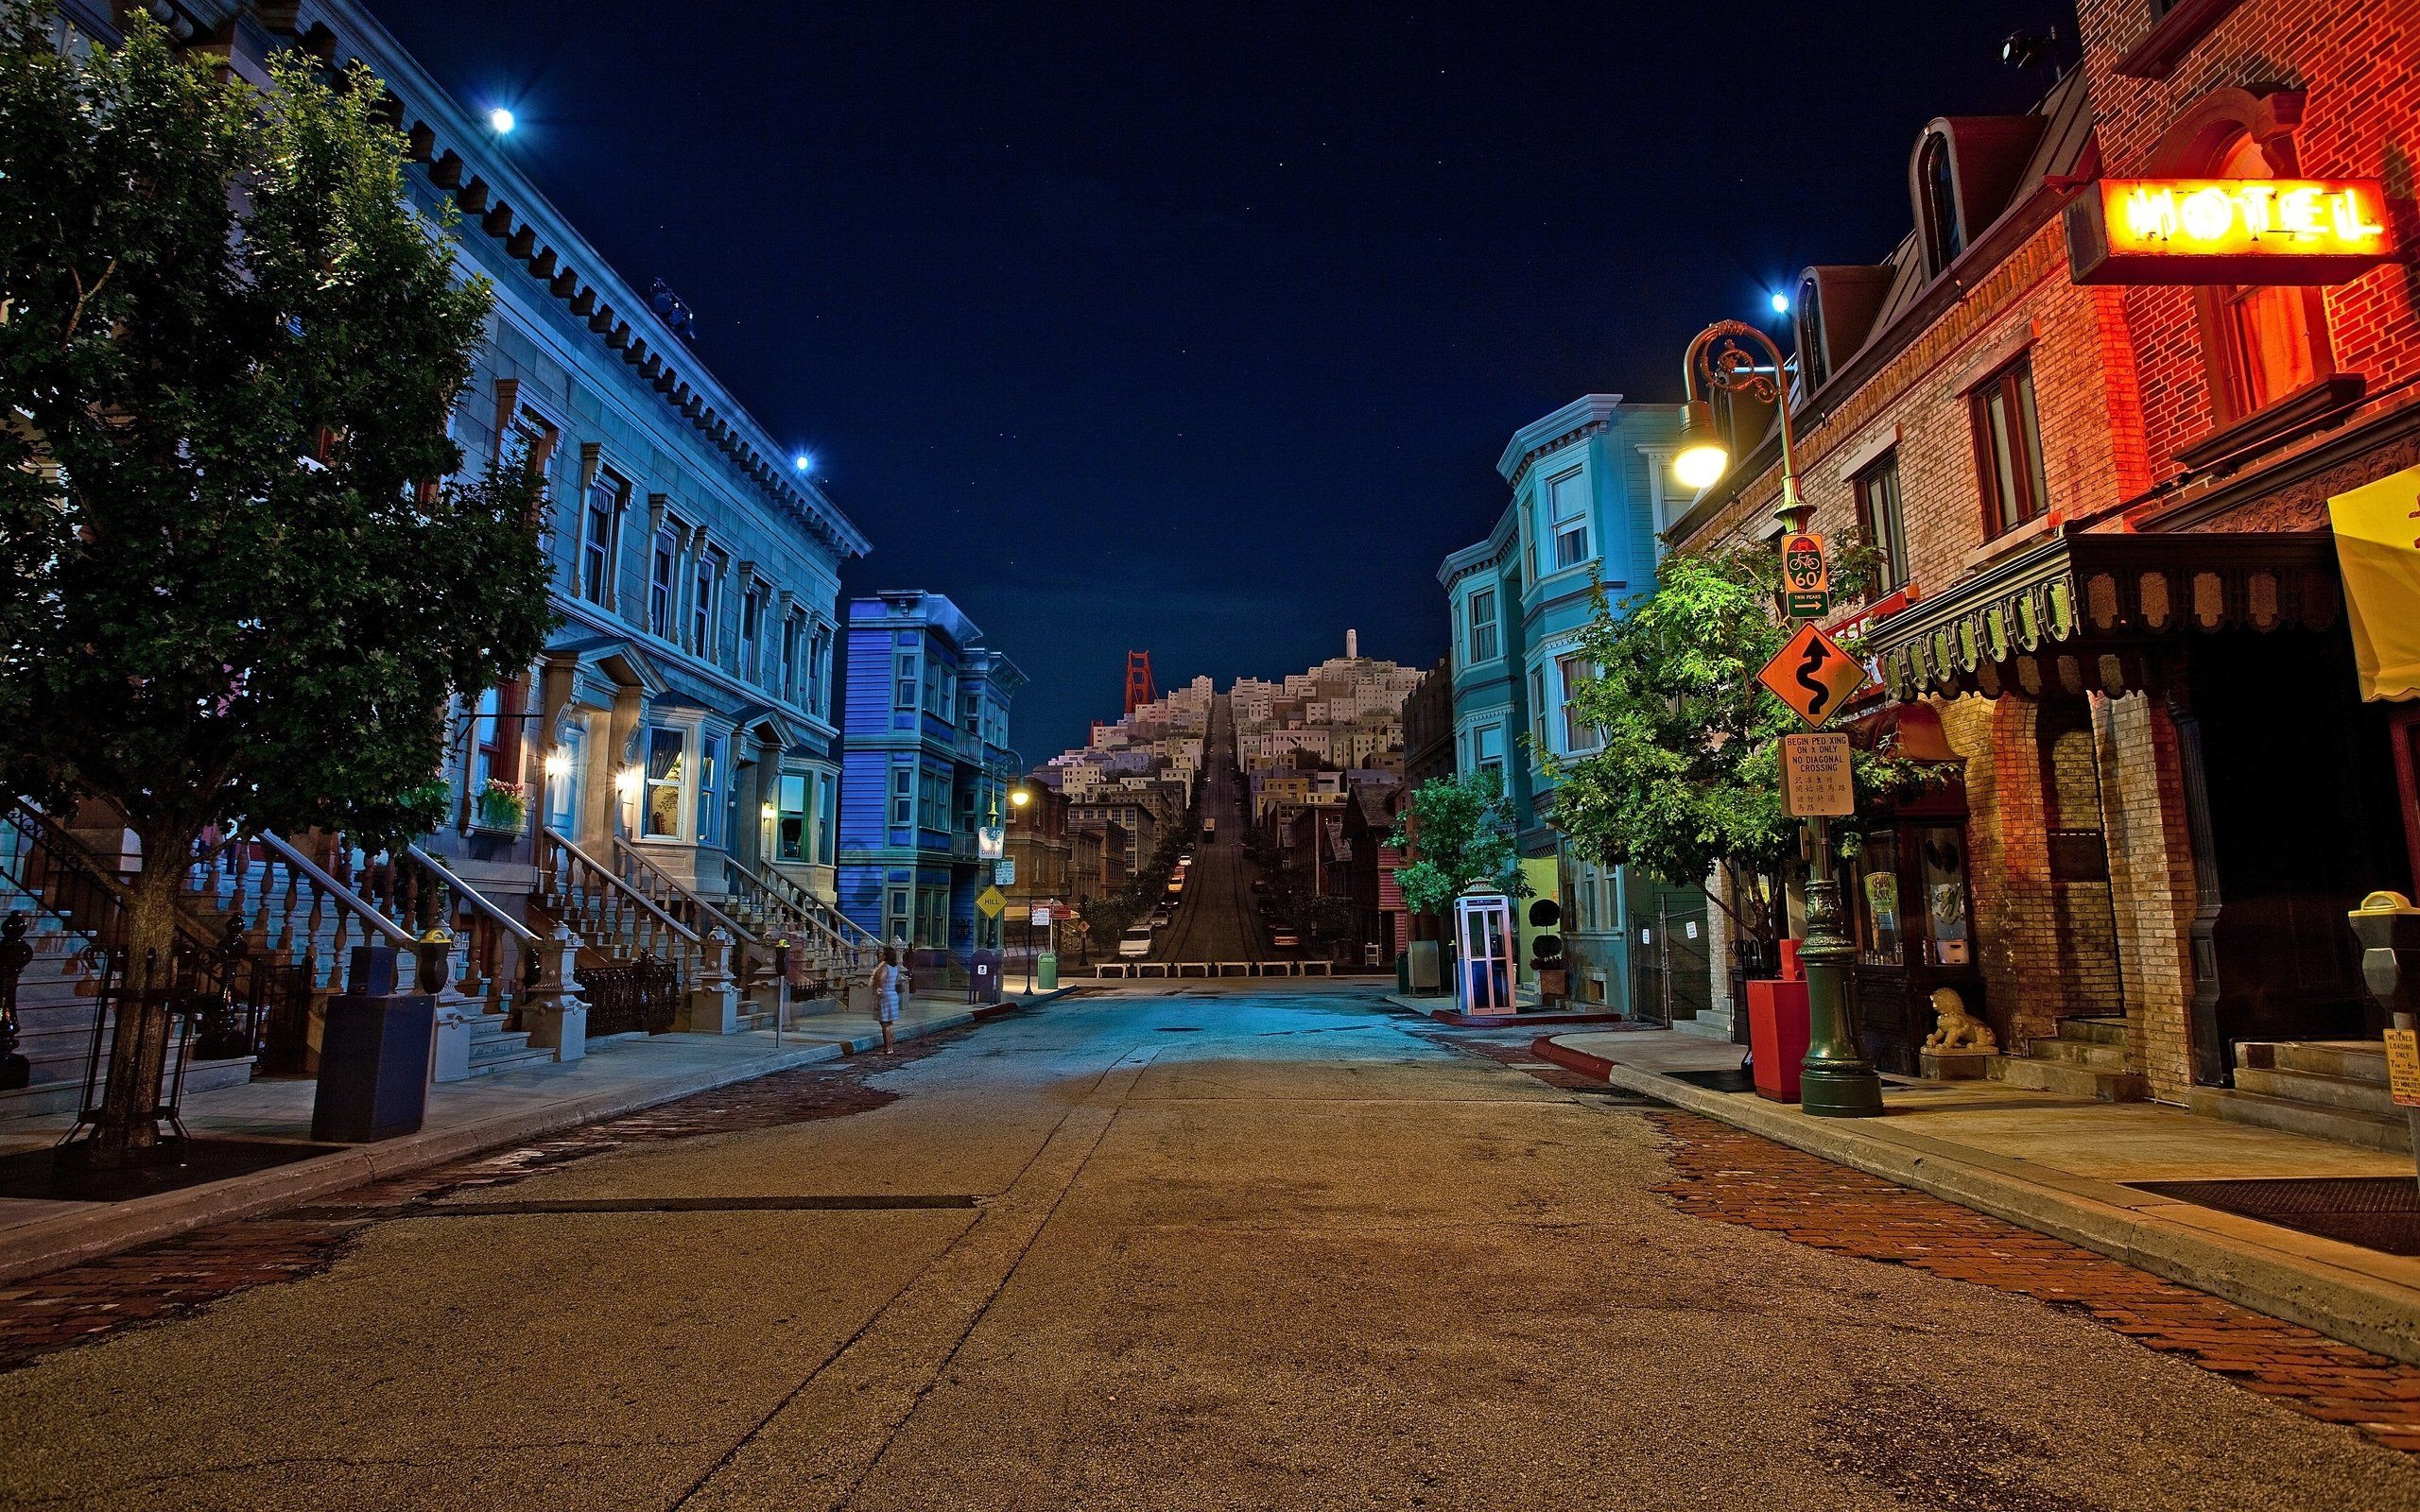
(2381, 1213)
(543, 1206)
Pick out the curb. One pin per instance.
(2324, 1287)
(70, 1239)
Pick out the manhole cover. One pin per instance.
(2381, 1213)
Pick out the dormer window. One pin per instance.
(1814, 363)
(1937, 188)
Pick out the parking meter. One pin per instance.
(2388, 927)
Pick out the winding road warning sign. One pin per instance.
(1812, 674)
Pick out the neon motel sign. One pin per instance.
(2228, 230)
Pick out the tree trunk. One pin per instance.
(128, 1125)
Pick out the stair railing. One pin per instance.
(613, 917)
(492, 949)
(838, 949)
(296, 908)
(640, 873)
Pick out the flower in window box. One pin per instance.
(500, 806)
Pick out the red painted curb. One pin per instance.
(1545, 1048)
(1520, 1020)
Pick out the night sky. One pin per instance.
(1200, 328)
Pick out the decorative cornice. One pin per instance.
(530, 231)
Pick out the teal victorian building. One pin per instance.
(925, 770)
(1589, 499)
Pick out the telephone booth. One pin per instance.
(1483, 924)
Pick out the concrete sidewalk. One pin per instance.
(2059, 1165)
(616, 1076)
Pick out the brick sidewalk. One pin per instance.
(1736, 1177)
(91, 1301)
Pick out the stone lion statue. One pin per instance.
(1958, 1029)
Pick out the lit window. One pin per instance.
(666, 761)
(1879, 517)
(2272, 341)
(2008, 446)
(1573, 671)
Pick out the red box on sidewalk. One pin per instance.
(1777, 1035)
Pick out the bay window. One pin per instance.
(790, 817)
(1567, 510)
(1482, 625)
(710, 793)
(1577, 735)
(668, 760)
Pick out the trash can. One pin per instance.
(1777, 1036)
(1045, 972)
(983, 977)
(374, 1054)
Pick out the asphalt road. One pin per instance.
(1215, 921)
(1224, 1249)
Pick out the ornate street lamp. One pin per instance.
(1835, 1080)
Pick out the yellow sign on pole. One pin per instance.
(1815, 776)
(1812, 674)
(2378, 549)
(2403, 1066)
(992, 902)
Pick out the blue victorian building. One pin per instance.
(1588, 503)
(925, 771)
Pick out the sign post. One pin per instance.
(1805, 577)
(1815, 781)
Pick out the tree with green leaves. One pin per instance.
(241, 590)
(1687, 781)
(1462, 836)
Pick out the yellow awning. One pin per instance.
(2378, 547)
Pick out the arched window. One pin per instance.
(2261, 343)
(1814, 365)
(1945, 236)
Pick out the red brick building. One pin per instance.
(2101, 456)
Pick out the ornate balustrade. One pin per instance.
(612, 916)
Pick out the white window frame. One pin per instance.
(1576, 739)
(1489, 624)
(1567, 526)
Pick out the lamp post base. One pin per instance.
(1837, 1092)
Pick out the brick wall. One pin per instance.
(2359, 66)
(2152, 892)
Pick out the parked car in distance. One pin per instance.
(1136, 942)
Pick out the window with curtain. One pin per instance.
(1880, 521)
(1577, 735)
(563, 793)
(2272, 341)
(2008, 447)
(668, 752)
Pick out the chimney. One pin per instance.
(1352, 646)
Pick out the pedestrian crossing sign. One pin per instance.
(992, 902)
(1812, 674)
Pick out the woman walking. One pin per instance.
(890, 984)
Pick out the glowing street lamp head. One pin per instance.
(1780, 302)
(1019, 797)
(500, 121)
(1703, 457)
(803, 463)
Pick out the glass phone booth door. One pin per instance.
(1483, 924)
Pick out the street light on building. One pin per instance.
(1836, 1079)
